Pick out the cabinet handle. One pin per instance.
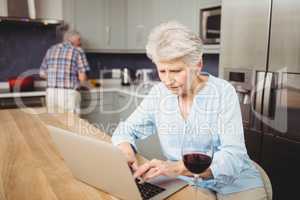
(108, 30)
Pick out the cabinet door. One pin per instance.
(141, 18)
(188, 14)
(185, 12)
(134, 24)
(89, 20)
(144, 15)
(169, 10)
(115, 24)
(69, 12)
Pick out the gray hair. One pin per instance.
(172, 40)
(69, 34)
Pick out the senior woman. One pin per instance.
(186, 96)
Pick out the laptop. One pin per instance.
(102, 165)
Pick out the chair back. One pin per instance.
(266, 181)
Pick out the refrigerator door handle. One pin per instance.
(267, 94)
(260, 79)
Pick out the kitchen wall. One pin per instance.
(23, 46)
(100, 61)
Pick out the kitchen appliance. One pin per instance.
(210, 25)
(260, 57)
(31, 11)
(125, 77)
(241, 79)
(144, 75)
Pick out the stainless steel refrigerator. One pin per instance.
(260, 56)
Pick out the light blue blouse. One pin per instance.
(215, 106)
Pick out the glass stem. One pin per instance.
(196, 178)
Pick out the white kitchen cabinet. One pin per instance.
(144, 15)
(188, 14)
(183, 11)
(115, 24)
(102, 23)
(3, 8)
(69, 13)
(89, 20)
(124, 25)
(168, 10)
(141, 18)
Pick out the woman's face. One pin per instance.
(177, 75)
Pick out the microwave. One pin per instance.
(210, 25)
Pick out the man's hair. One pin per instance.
(69, 34)
(172, 40)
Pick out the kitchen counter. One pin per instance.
(22, 94)
(31, 166)
(134, 90)
(39, 86)
(107, 85)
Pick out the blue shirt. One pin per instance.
(62, 63)
(215, 106)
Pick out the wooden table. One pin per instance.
(31, 166)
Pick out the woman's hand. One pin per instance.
(127, 150)
(156, 168)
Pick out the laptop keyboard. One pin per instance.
(148, 190)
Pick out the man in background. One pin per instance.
(64, 66)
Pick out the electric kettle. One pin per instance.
(125, 76)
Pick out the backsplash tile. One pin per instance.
(23, 46)
(103, 61)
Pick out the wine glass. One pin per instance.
(197, 152)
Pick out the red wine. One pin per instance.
(196, 162)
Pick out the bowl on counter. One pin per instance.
(21, 84)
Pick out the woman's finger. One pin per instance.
(153, 172)
(134, 166)
(141, 170)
